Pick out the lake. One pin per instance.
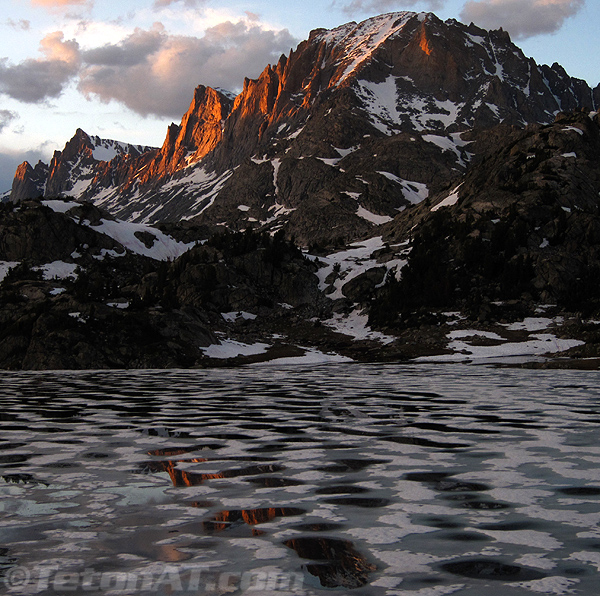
(371, 479)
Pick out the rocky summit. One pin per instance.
(396, 189)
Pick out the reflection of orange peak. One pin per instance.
(250, 516)
(424, 44)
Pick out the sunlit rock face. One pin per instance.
(354, 125)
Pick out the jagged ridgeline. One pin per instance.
(399, 188)
(356, 124)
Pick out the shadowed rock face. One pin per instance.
(524, 223)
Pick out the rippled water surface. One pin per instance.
(374, 480)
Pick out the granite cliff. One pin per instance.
(354, 125)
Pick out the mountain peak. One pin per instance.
(315, 126)
(356, 43)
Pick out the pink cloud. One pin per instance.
(152, 72)
(61, 3)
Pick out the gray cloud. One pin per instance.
(133, 51)
(521, 18)
(163, 3)
(35, 80)
(20, 25)
(6, 117)
(154, 73)
(379, 6)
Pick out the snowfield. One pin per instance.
(164, 247)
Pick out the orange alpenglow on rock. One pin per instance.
(424, 43)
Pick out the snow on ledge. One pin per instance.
(5, 267)
(450, 200)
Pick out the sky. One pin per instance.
(126, 69)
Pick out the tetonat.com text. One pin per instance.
(166, 580)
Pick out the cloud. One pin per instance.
(163, 3)
(61, 3)
(20, 25)
(6, 117)
(150, 71)
(154, 73)
(379, 6)
(521, 18)
(35, 80)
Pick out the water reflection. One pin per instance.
(339, 565)
(489, 569)
(22, 479)
(181, 477)
(382, 479)
(225, 519)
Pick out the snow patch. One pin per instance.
(372, 217)
(59, 206)
(276, 163)
(231, 317)
(532, 324)
(414, 192)
(5, 267)
(58, 270)
(164, 248)
(311, 356)
(361, 41)
(541, 344)
(353, 262)
(381, 100)
(355, 324)
(120, 305)
(451, 144)
(575, 129)
(450, 200)
(229, 348)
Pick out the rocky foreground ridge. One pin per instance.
(394, 190)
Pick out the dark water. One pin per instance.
(374, 480)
